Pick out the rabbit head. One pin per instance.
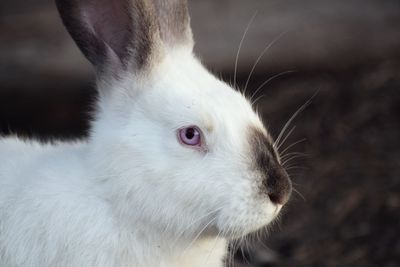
(172, 146)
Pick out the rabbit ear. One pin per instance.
(174, 22)
(113, 34)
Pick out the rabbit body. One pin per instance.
(53, 213)
(139, 192)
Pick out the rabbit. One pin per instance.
(177, 162)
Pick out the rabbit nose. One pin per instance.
(278, 185)
(275, 180)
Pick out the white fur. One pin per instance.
(132, 195)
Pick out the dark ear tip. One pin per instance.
(61, 4)
(86, 41)
(64, 7)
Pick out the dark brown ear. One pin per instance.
(111, 33)
(174, 22)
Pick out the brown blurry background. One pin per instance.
(348, 51)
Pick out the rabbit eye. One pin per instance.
(190, 136)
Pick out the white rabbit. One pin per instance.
(176, 164)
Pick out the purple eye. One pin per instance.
(190, 136)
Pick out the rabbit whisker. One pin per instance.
(197, 236)
(290, 167)
(194, 222)
(290, 159)
(254, 103)
(300, 194)
(296, 168)
(286, 137)
(292, 145)
(240, 47)
(267, 81)
(212, 249)
(260, 57)
(297, 112)
(294, 153)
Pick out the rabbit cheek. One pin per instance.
(275, 183)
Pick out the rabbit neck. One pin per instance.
(161, 253)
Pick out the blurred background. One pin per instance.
(347, 211)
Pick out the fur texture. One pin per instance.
(133, 195)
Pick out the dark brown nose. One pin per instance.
(278, 184)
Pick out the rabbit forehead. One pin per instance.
(185, 89)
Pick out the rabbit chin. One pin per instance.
(233, 224)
